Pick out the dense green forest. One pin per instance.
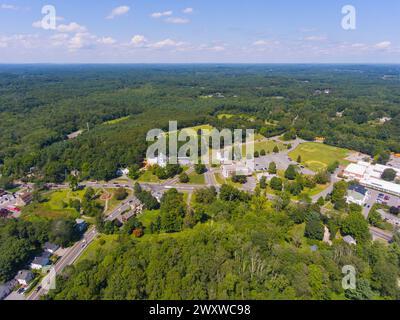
(236, 246)
(41, 105)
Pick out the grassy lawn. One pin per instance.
(54, 205)
(241, 116)
(115, 121)
(312, 192)
(148, 176)
(317, 156)
(112, 202)
(196, 178)
(268, 146)
(220, 179)
(147, 217)
(195, 129)
(96, 246)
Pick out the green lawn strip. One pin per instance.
(115, 121)
(195, 178)
(148, 176)
(54, 205)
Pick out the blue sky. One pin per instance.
(190, 31)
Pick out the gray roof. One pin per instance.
(349, 239)
(50, 246)
(24, 275)
(42, 260)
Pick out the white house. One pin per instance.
(50, 247)
(161, 160)
(123, 172)
(24, 277)
(39, 262)
(357, 194)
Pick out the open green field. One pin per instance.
(54, 205)
(192, 131)
(115, 121)
(196, 178)
(96, 246)
(317, 156)
(268, 146)
(147, 217)
(312, 192)
(148, 176)
(241, 116)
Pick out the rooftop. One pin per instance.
(358, 189)
(24, 275)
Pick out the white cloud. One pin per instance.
(177, 20)
(118, 11)
(6, 6)
(166, 43)
(188, 10)
(264, 43)
(106, 40)
(260, 43)
(38, 24)
(157, 15)
(383, 45)
(315, 38)
(81, 40)
(138, 40)
(59, 39)
(71, 27)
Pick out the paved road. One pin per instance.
(380, 234)
(71, 255)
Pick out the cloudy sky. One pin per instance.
(188, 31)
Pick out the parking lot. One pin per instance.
(380, 197)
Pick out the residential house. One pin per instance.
(123, 172)
(50, 247)
(81, 225)
(160, 160)
(350, 240)
(39, 262)
(24, 277)
(6, 288)
(24, 199)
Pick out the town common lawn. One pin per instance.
(148, 176)
(195, 178)
(317, 156)
(54, 205)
